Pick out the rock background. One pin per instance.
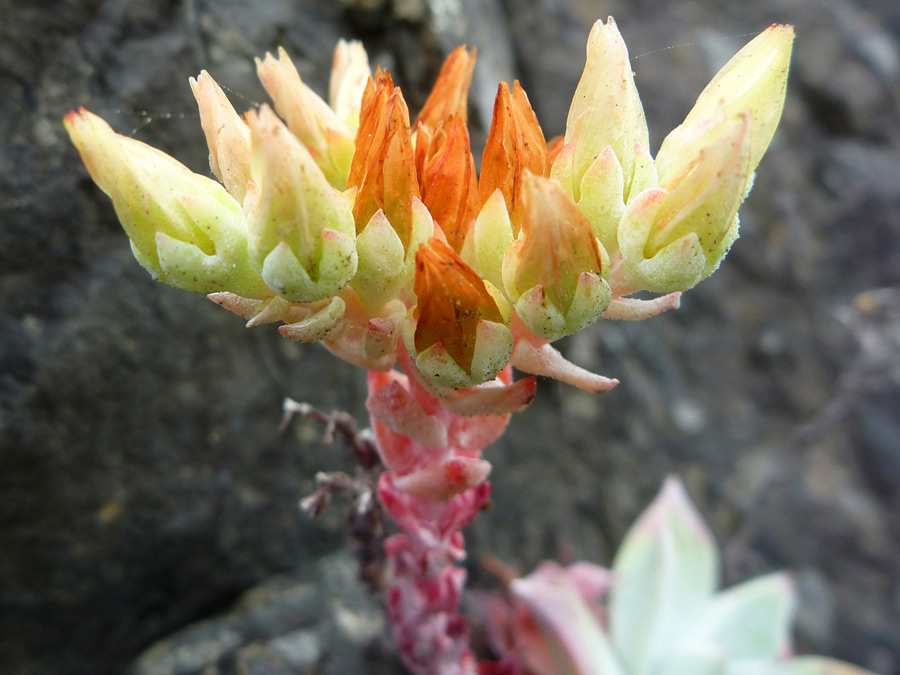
(144, 484)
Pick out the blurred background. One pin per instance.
(145, 488)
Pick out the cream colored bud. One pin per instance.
(185, 229)
(350, 72)
(227, 136)
(606, 109)
(753, 82)
(302, 235)
(325, 135)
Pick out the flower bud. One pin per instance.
(328, 139)
(753, 82)
(457, 332)
(674, 236)
(227, 136)
(383, 169)
(553, 271)
(302, 237)
(515, 143)
(185, 229)
(349, 73)
(447, 177)
(606, 110)
(449, 96)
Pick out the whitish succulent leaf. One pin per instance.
(749, 621)
(665, 570)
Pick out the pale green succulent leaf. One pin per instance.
(666, 569)
(749, 621)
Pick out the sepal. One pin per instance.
(320, 323)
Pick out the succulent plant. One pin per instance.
(656, 612)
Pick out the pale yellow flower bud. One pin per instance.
(227, 136)
(302, 235)
(606, 109)
(325, 135)
(185, 229)
(753, 82)
(350, 72)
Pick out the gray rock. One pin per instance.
(320, 620)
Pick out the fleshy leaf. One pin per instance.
(749, 621)
(574, 643)
(665, 569)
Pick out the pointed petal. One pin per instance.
(450, 92)
(448, 181)
(383, 167)
(515, 144)
(227, 135)
(349, 73)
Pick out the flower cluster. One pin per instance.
(369, 231)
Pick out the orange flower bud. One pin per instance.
(460, 336)
(515, 143)
(383, 167)
(449, 96)
(447, 177)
